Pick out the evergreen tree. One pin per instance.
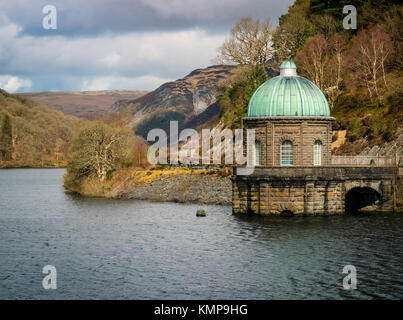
(233, 97)
(6, 139)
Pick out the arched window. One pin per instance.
(317, 153)
(258, 153)
(287, 153)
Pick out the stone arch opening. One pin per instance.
(287, 213)
(360, 197)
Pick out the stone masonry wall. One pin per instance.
(304, 188)
(308, 191)
(302, 132)
(275, 197)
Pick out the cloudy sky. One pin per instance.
(116, 44)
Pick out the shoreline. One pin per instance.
(167, 185)
(173, 186)
(180, 185)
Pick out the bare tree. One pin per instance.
(321, 62)
(368, 59)
(334, 69)
(98, 148)
(249, 43)
(313, 58)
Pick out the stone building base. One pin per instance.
(313, 190)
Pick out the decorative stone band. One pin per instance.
(289, 72)
(359, 173)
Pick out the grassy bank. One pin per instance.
(121, 182)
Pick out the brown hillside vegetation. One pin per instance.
(34, 135)
(86, 104)
(190, 101)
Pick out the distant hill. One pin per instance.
(190, 100)
(86, 104)
(32, 134)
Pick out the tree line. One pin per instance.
(32, 134)
(6, 140)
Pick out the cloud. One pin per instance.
(112, 59)
(123, 83)
(13, 84)
(93, 17)
(141, 56)
(213, 10)
(121, 44)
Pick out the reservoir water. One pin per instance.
(112, 249)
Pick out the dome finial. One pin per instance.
(288, 68)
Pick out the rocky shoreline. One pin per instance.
(183, 188)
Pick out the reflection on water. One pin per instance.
(140, 250)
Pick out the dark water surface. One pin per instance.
(140, 250)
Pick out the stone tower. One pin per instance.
(292, 121)
(293, 136)
(293, 172)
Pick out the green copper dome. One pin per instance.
(288, 64)
(288, 95)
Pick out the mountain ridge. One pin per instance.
(82, 104)
(185, 100)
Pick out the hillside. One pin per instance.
(32, 134)
(190, 100)
(360, 70)
(365, 96)
(86, 104)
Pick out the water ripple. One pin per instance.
(139, 250)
